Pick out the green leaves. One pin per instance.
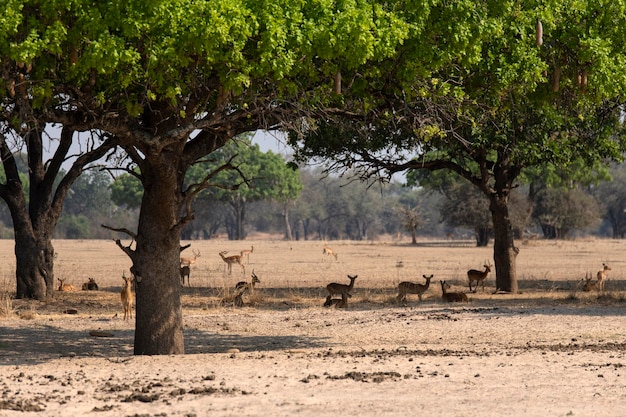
(124, 55)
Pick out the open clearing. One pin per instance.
(552, 350)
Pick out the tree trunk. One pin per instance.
(34, 253)
(238, 206)
(288, 234)
(306, 225)
(482, 236)
(159, 320)
(504, 250)
(31, 280)
(34, 221)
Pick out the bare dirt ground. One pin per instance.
(552, 350)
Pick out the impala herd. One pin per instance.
(344, 291)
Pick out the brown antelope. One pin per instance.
(90, 285)
(337, 302)
(407, 287)
(233, 259)
(247, 252)
(65, 287)
(451, 297)
(185, 271)
(341, 289)
(329, 251)
(602, 276)
(127, 297)
(478, 276)
(588, 285)
(242, 286)
(189, 261)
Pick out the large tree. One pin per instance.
(173, 81)
(35, 210)
(530, 84)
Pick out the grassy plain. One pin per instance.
(551, 350)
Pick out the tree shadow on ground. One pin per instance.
(39, 344)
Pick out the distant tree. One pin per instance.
(411, 220)
(75, 227)
(559, 210)
(36, 205)
(611, 196)
(309, 209)
(90, 193)
(465, 206)
(259, 176)
(126, 191)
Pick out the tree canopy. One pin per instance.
(173, 81)
(512, 85)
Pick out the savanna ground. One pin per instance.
(552, 350)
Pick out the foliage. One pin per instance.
(258, 176)
(612, 200)
(560, 210)
(75, 227)
(126, 191)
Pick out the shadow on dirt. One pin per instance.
(39, 344)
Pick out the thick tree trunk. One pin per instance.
(34, 253)
(34, 222)
(504, 250)
(31, 280)
(156, 262)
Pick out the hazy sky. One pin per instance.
(271, 141)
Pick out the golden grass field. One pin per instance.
(297, 272)
(551, 350)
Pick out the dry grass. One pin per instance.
(295, 273)
(6, 305)
(282, 353)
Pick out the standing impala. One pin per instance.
(184, 261)
(408, 287)
(478, 276)
(340, 289)
(127, 297)
(247, 252)
(328, 251)
(602, 276)
(233, 259)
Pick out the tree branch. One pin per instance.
(132, 234)
(194, 189)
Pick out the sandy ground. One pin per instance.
(550, 351)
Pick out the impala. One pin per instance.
(233, 259)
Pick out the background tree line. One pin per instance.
(308, 204)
